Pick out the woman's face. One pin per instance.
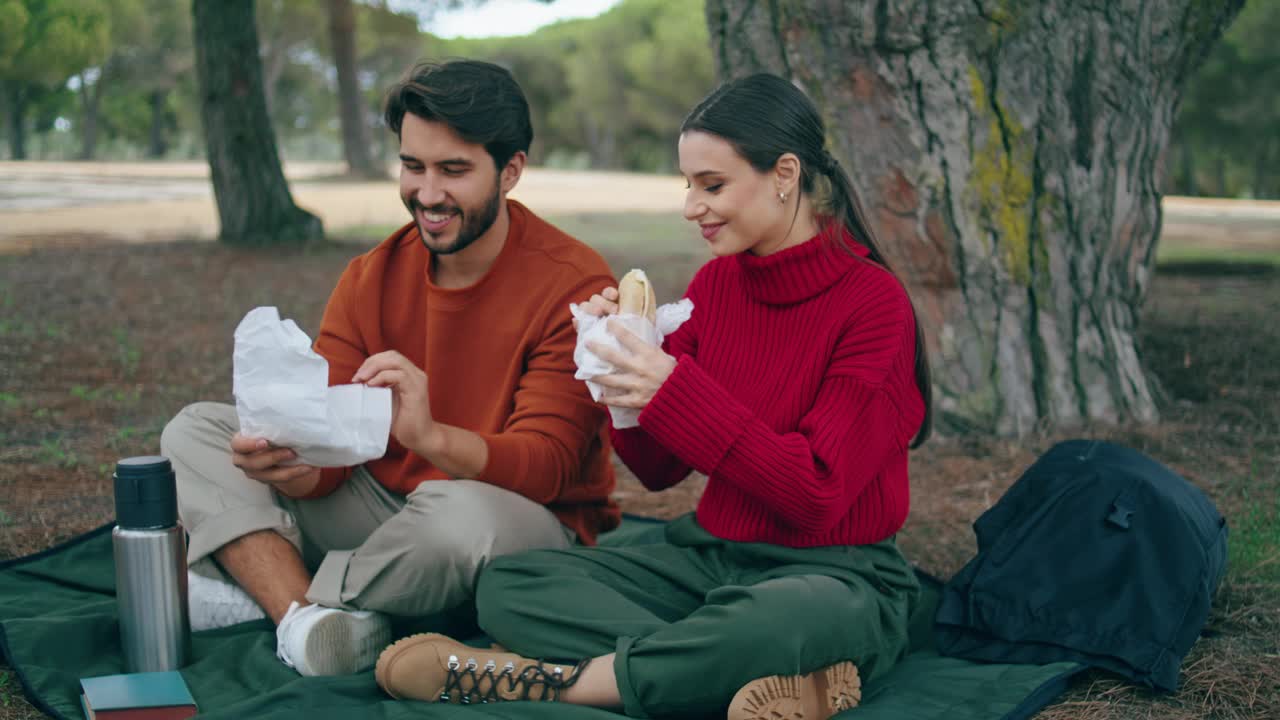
(736, 207)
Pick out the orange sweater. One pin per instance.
(499, 362)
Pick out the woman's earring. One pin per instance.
(782, 198)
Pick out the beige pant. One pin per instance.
(369, 548)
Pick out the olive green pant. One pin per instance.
(694, 619)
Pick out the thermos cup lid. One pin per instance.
(146, 493)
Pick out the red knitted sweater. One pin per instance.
(795, 393)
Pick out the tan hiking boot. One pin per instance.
(816, 696)
(433, 667)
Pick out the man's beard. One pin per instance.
(471, 225)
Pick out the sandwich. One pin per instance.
(635, 296)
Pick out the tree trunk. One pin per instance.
(1008, 154)
(1263, 176)
(602, 145)
(159, 144)
(17, 107)
(1188, 169)
(254, 204)
(355, 137)
(90, 97)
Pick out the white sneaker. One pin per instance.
(316, 640)
(217, 603)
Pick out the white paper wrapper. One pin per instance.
(595, 329)
(283, 396)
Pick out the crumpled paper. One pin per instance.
(595, 329)
(282, 394)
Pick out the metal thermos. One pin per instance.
(151, 566)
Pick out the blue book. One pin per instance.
(137, 696)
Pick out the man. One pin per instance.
(495, 447)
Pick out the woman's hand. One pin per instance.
(602, 304)
(411, 421)
(638, 372)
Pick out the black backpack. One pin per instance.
(1099, 555)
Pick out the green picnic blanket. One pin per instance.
(58, 624)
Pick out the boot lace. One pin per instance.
(489, 684)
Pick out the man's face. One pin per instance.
(449, 185)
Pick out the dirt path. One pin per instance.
(43, 204)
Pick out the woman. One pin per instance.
(798, 387)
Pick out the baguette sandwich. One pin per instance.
(635, 296)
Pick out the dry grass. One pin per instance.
(99, 346)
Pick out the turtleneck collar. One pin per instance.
(803, 271)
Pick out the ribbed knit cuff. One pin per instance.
(508, 460)
(694, 417)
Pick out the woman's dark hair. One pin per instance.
(480, 101)
(763, 117)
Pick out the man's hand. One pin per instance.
(261, 461)
(411, 421)
(602, 304)
(638, 372)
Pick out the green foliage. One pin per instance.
(152, 44)
(129, 24)
(57, 39)
(151, 52)
(126, 115)
(9, 690)
(1172, 253)
(294, 37)
(127, 351)
(1226, 139)
(46, 105)
(1254, 546)
(117, 50)
(664, 234)
(13, 25)
(389, 42)
(116, 395)
(612, 89)
(58, 451)
(605, 92)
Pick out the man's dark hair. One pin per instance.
(480, 101)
